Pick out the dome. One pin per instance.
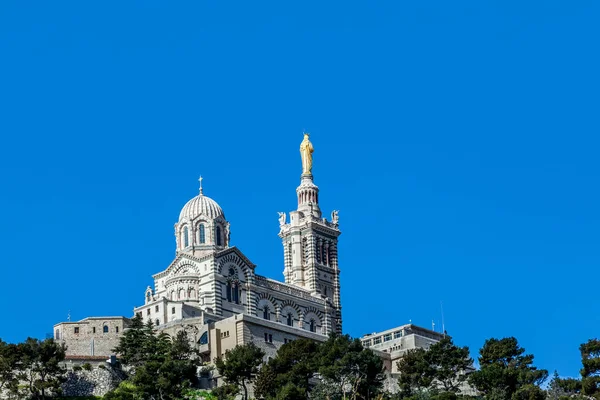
(201, 206)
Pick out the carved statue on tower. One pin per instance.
(334, 217)
(306, 150)
(281, 218)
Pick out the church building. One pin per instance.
(213, 291)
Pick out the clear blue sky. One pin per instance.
(458, 139)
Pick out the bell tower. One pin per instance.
(310, 242)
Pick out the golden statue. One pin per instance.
(306, 150)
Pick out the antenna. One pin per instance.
(443, 326)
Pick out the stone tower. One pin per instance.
(310, 245)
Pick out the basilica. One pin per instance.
(213, 291)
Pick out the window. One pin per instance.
(397, 334)
(156, 308)
(148, 297)
(387, 337)
(290, 319)
(148, 312)
(186, 238)
(203, 338)
(157, 322)
(325, 291)
(266, 313)
(313, 326)
(270, 338)
(218, 233)
(377, 340)
(367, 343)
(173, 310)
(202, 234)
(76, 330)
(319, 253)
(236, 294)
(94, 329)
(57, 335)
(105, 329)
(116, 329)
(266, 337)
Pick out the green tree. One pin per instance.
(9, 365)
(357, 372)
(125, 391)
(163, 368)
(40, 366)
(590, 373)
(131, 345)
(416, 375)
(441, 368)
(240, 365)
(225, 392)
(505, 369)
(562, 388)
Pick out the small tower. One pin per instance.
(310, 242)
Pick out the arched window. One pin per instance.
(313, 326)
(186, 237)
(148, 297)
(319, 252)
(266, 313)
(57, 335)
(157, 322)
(228, 289)
(290, 319)
(218, 236)
(202, 234)
(236, 293)
(105, 329)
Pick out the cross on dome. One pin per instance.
(200, 180)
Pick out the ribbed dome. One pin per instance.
(201, 205)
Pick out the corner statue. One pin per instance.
(306, 150)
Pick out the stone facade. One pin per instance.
(94, 336)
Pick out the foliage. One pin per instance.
(87, 366)
(9, 363)
(240, 365)
(562, 388)
(294, 363)
(506, 370)
(40, 366)
(357, 372)
(163, 368)
(131, 345)
(195, 394)
(345, 368)
(590, 373)
(442, 368)
(226, 392)
(125, 391)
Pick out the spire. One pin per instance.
(200, 180)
